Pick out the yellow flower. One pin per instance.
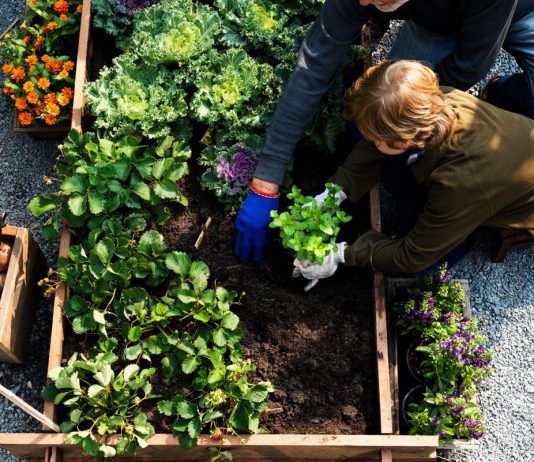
(53, 109)
(32, 97)
(63, 74)
(43, 83)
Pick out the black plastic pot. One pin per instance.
(412, 362)
(414, 395)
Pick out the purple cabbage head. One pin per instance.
(238, 169)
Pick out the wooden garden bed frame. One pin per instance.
(386, 447)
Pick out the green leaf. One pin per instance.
(258, 393)
(97, 203)
(83, 324)
(166, 189)
(186, 409)
(135, 333)
(239, 417)
(130, 370)
(104, 250)
(186, 441)
(142, 190)
(209, 416)
(166, 407)
(133, 352)
(77, 205)
(194, 428)
(42, 204)
(218, 337)
(99, 317)
(190, 364)
(73, 184)
(105, 376)
(108, 451)
(179, 263)
(90, 446)
(151, 243)
(230, 321)
(94, 390)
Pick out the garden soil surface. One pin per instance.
(317, 348)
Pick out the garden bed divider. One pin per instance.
(385, 447)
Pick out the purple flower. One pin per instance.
(477, 435)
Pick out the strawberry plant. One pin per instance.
(99, 177)
(309, 229)
(103, 401)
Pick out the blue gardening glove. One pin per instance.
(252, 226)
(315, 272)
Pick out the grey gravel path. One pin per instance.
(502, 298)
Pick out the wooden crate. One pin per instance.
(20, 294)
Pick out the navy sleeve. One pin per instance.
(319, 57)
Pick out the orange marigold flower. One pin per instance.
(68, 66)
(61, 6)
(32, 97)
(50, 26)
(50, 119)
(7, 68)
(43, 83)
(18, 74)
(26, 39)
(67, 92)
(39, 42)
(7, 91)
(79, 9)
(53, 109)
(20, 104)
(25, 118)
(32, 59)
(54, 66)
(45, 58)
(28, 86)
(50, 98)
(63, 74)
(63, 100)
(38, 111)
(63, 17)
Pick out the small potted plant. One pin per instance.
(5, 248)
(453, 360)
(310, 229)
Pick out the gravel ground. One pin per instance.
(502, 298)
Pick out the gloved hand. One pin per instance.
(314, 272)
(252, 225)
(340, 197)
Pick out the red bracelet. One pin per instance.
(264, 194)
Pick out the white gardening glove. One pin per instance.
(314, 272)
(340, 197)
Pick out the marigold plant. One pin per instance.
(39, 78)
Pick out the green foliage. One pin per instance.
(134, 97)
(100, 177)
(454, 359)
(309, 229)
(103, 400)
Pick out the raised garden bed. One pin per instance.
(20, 293)
(325, 336)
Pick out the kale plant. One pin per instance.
(309, 229)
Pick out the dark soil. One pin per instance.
(317, 348)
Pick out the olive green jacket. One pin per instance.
(484, 175)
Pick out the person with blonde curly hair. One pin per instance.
(456, 163)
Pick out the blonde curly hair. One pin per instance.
(400, 101)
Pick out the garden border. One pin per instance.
(50, 447)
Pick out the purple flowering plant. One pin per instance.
(229, 174)
(455, 359)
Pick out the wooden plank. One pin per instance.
(385, 391)
(57, 334)
(386, 455)
(253, 447)
(20, 294)
(81, 67)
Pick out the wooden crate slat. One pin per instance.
(270, 447)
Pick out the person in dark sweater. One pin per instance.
(475, 162)
(460, 39)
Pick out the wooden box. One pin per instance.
(20, 294)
